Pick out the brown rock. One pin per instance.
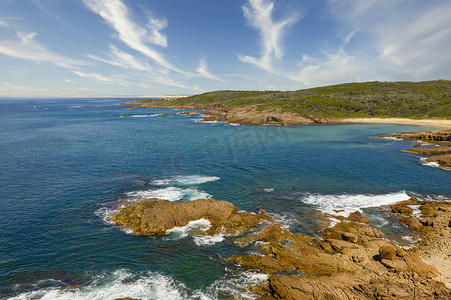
(154, 217)
(434, 136)
(443, 160)
(357, 217)
(412, 222)
(402, 208)
(430, 151)
(387, 252)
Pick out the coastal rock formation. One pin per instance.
(352, 260)
(430, 150)
(154, 216)
(433, 136)
(439, 137)
(250, 115)
(434, 225)
(443, 160)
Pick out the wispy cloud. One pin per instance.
(50, 7)
(3, 23)
(259, 15)
(97, 77)
(116, 14)
(422, 44)
(203, 70)
(26, 47)
(329, 68)
(409, 37)
(122, 59)
(8, 89)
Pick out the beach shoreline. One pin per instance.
(440, 123)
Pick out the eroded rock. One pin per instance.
(154, 216)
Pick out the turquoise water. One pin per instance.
(66, 165)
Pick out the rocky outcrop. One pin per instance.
(439, 137)
(251, 115)
(443, 161)
(434, 225)
(154, 216)
(433, 136)
(351, 260)
(430, 150)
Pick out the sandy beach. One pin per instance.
(446, 124)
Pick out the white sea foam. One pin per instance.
(190, 228)
(76, 106)
(171, 193)
(284, 219)
(233, 124)
(161, 182)
(150, 285)
(432, 164)
(416, 210)
(195, 230)
(119, 284)
(209, 122)
(390, 138)
(234, 287)
(208, 240)
(105, 214)
(194, 179)
(142, 116)
(345, 204)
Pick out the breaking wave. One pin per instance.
(150, 285)
(345, 204)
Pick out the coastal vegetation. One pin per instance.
(415, 100)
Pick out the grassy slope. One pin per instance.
(417, 100)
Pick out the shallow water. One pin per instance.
(66, 165)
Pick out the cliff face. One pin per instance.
(352, 260)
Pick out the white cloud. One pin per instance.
(203, 70)
(116, 14)
(13, 90)
(3, 23)
(258, 14)
(422, 44)
(338, 67)
(409, 38)
(380, 40)
(102, 78)
(26, 47)
(122, 59)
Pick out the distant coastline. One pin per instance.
(412, 103)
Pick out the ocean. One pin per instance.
(66, 164)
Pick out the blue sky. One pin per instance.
(71, 48)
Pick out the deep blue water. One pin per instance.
(66, 164)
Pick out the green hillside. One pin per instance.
(428, 99)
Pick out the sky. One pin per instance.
(88, 48)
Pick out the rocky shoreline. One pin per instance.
(351, 260)
(248, 115)
(441, 138)
(252, 115)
